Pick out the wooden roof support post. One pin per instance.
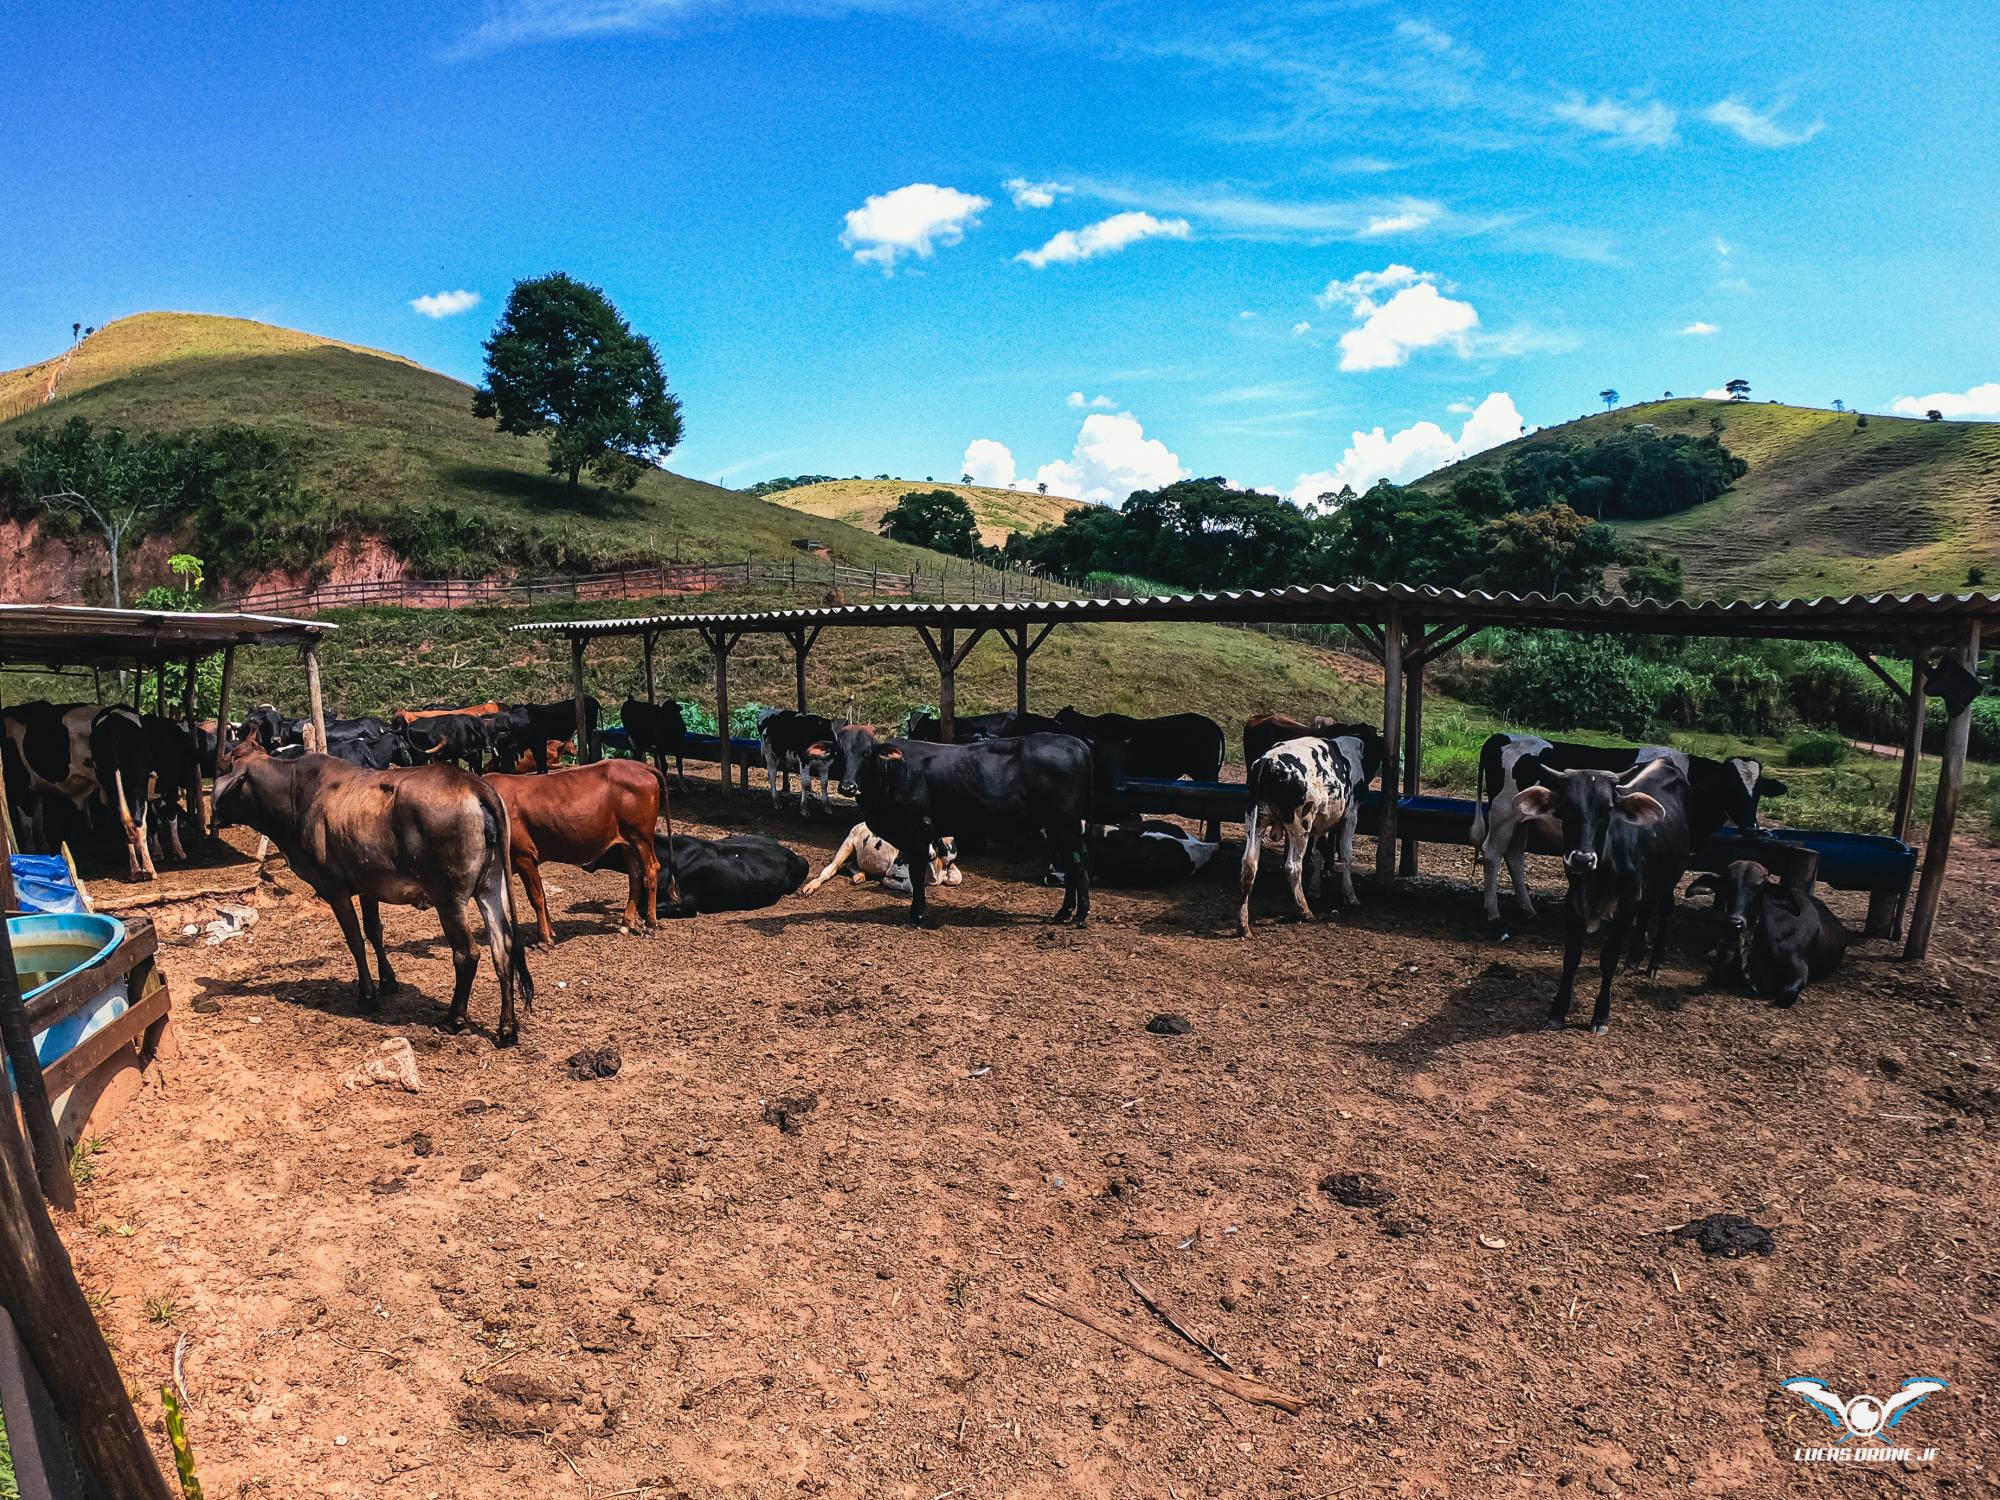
(1951, 782)
(721, 642)
(315, 705)
(803, 639)
(1413, 742)
(577, 696)
(39, 1289)
(1392, 743)
(1023, 648)
(197, 811)
(1886, 909)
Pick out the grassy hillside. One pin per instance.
(1828, 507)
(864, 502)
(384, 434)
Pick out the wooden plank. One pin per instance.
(82, 1060)
(69, 994)
(1944, 814)
(1392, 743)
(1867, 659)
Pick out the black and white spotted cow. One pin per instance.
(875, 858)
(788, 737)
(1721, 791)
(1154, 854)
(50, 745)
(1307, 789)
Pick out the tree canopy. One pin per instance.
(563, 363)
(937, 519)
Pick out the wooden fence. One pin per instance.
(969, 583)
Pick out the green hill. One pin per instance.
(1828, 507)
(383, 436)
(864, 502)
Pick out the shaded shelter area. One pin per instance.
(1406, 629)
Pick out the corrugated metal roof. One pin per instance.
(75, 635)
(1930, 617)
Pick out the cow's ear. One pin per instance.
(888, 752)
(1702, 885)
(1535, 802)
(1641, 809)
(1770, 786)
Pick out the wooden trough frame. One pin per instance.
(72, 1427)
(1406, 629)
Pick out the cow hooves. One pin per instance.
(507, 1036)
(454, 1024)
(1600, 1028)
(1555, 1023)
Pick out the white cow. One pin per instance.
(1306, 788)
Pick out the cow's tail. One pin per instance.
(496, 894)
(1485, 789)
(667, 817)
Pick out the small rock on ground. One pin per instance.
(1170, 1025)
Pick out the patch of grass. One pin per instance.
(83, 1160)
(864, 502)
(1819, 747)
(162, 1310)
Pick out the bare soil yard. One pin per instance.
(783, 1251)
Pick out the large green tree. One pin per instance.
(563, 363)
(937, 519)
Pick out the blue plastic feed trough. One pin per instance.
(48, 948)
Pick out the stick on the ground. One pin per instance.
(1242, 1387)
(1166, 1315)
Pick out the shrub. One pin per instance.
(1558, 681)
(1746, 696)
(1819, 747)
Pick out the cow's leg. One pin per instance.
(771, 772)
(1790, 979)
(465, 965)
(1298, 842)
(1572, 957)
(371, 924)
(529, 869)
(172, 819)
(350, 928)
(912, 857)
(1662, 913)
(1077, 876)
(1348, 825)
(1253, 845)
(1607, 966)
(805, 784)
(494, 898)
(1517, 868)
(1315, 865)
(644, 892)
(847, 847)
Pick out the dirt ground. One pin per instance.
(667, 1283)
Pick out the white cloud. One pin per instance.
(1412, 452)
(1425, 35)
(1301, 328)
(1418, 317)
(1760, 128)
(1104, 237)
(1077, 401)
(1981, 403)
(1406, 222)
(1699, 329)
(989, 463)
(1636, 123)
(1246, 315)
(1361, 288)
(445, 304)
(1028, 194)
(1112, 458)
(1460, 408)
(909, 221)
(1718, 394)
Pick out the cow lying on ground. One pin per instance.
(1310, 790)
(1156, 853)
(1780, 936)
(1722, 792)
(874, 858)
(573, 815)
(1625, 848)
(658, 730)
(1166, 748)
(743, 872)
(915, 794)
(428, 836)
(787, 736)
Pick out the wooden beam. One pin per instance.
(1441, 640)
(947, 663)
(1369, 637)
(51, 1162)
(1867, 658)
(721, 642)
(315, 703)
(1885, 913)
(931, 645)
(1413, 750)
(964, 651)
(222, 699)
(577, 695)
(1392, 742)
(1944, 815)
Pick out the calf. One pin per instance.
(875, 858)
(788, 737)
(123, 755)
(658, 730)
(1625, 847)
(574, 814)
(1156, 853)
(914, 794)
(1780, 935)
(1721, 791)
(1308, 788)
(1166, 748)
(532, 727)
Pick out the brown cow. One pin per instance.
(402, 718)
(415, 836)
(1264, 731)
(577, 814)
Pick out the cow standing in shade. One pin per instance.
(787, 737)
(1165, 748)
(52, 760)
(123, 757)
(658, 730)
(1309, 789)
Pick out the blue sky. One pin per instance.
(1107, 243)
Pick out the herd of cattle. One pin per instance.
(435, 806)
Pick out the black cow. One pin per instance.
(371, 750)
(1780, 936)
(462, 740)
(175, 754)
(913, 794)
(1723, 791)
(1625, 848)
(970, 729)
(788, 737)
(658, 730)
(1156, 853)
(266, 726)
(1166, 748)
(743, 872)
(530, 728)
(123, 755)
(50, 767)
(846, 753)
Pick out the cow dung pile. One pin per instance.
(1727, 1234)
(1170, 1025)
(595, 1062)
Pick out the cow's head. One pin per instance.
(844, 755)
(1743, 789)
(1738, 891)
(420, 744)
(229, 798)
(1070, 719)
(1589, 805)
(944, 854)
